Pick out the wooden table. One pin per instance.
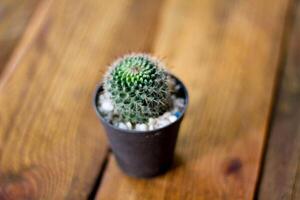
(240, 60)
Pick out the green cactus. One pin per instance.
(137, 85)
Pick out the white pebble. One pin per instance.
(102, 98)
(128, 124)
(166, 115)
(151, 127)
(151, 121)
(179, 103)
(106, 106)
(162, 123)
(172, 118)
(141, 127)
(177, 87)
(122, 125)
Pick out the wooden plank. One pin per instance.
(227, 53)
(51, 143)
(14, 16)
(281, 172)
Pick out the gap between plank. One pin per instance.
(286, 36)
(99, 178)
(295, 181)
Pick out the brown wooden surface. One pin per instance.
(226, 52)
(14, 16)
(51, 143)
(281, 172)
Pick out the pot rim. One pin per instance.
(142, 133)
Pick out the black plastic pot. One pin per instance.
(143, 153)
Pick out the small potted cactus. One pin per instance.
(141, 106)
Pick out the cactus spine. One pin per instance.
(137, 85)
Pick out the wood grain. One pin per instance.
(281, 172)
(51, 143)
(14, 16)
(227, 54)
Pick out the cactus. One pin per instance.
(137, 85)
